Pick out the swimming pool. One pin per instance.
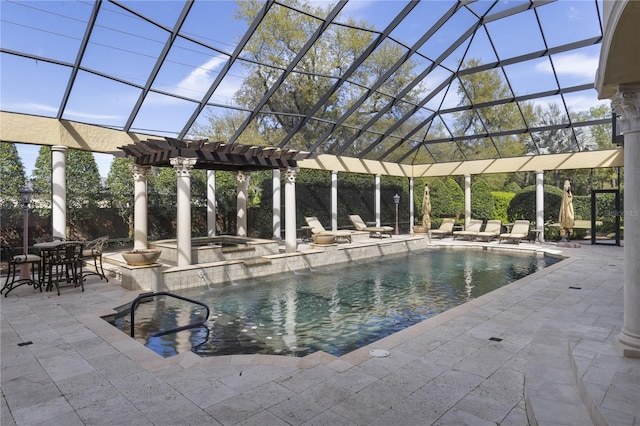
(336, 310)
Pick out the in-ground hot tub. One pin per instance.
(217, 248)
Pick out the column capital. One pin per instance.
(139, 172)
(183, 165)
(242, 177)
(290, 174)
(627, 106)
(59, 148)
(539, 172)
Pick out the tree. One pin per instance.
(12, 176)
(84, 188)
(120, 186)
(487, 86)
(278, 39)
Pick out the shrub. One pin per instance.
(482, 203)
(447, 199)
(512, 187)
(501, 202)
(523, 204)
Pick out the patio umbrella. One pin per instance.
(426, 208)
(566, 212)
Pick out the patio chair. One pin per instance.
(472, 228)
(491, 230)
(318, 229)
(374, 231)
(62, 263)
(92, 250)
(446, 228)
(519, 232)
(14, 264)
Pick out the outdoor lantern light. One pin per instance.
(396, 200)
(25, 197)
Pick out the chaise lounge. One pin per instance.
(491, 230)
(318, 229)
(519, 232)
(470, 231)
(374, 231)
(446, 228)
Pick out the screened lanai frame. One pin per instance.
(412, 125)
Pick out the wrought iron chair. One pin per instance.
(93, 250)
(14, 263)
(63, 263)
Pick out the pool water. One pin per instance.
(336, 310)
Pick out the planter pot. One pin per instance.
(324, 239)
(141, 257)
(420, 230)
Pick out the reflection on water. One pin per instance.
(334, 310)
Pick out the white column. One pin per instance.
(211, 203)
(59, 191)
(276, 197)
(290, 210)
(411, 205)
(183, 168)
(242, 180)
(334, 200)
(140, 206)
(377, 200)
(627, 106)
(467, 200)
(540, 203)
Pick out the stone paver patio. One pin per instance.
(558, 343)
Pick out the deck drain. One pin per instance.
(25, 343)
(575, 288)
(495, 339)
(379, 353)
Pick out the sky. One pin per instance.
(126, 47)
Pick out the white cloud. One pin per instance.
(576, 64)
(199, 80)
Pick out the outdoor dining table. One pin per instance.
(61, 262)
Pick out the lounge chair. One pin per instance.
(446, 228)
(519, 232)
(472, 228)
(374, 231)
(491, 230)
(318, 229)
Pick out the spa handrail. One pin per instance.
(137, 300)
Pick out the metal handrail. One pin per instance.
(137, 300)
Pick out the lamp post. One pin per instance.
(396, 200)
(25, 198)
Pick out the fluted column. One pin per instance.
(334, 200)
(140, 206)
(183, 168)
(290, 210)
(626, 105)
(211, 203)
(276, 196)
(467, 200)
(377, 199)
(540, 203)
(59, 191)
(242, 180)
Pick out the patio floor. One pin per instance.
(63, 365)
